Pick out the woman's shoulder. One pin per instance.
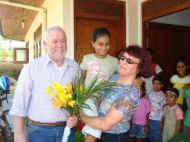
(114, 77)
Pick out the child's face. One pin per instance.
(181, 69)
(101, 45)
(157, 85)
(170, 99)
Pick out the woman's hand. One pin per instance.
(122, 103)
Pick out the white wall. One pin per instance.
(58, 13)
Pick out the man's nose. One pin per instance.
(59, 45)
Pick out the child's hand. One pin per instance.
(145, 129)
(161, 125)
(72, 121)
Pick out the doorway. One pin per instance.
(90, 15)
(167, 30)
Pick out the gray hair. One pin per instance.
(52, 28)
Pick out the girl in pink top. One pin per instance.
(139, 119)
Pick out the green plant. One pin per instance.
(78, 136)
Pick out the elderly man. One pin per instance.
(46, 123)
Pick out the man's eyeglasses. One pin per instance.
(128, 60)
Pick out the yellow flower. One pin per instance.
(69, 88)
(62, 89)
(71, 103)
(48, 90)
(64, 97)
(69, 85)
(58, 88)
(57, 103)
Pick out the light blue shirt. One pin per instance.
(30, 99)
(157, 102)
(127, 93)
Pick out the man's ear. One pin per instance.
(44, 43)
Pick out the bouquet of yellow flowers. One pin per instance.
(72, 96)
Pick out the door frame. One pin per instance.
(97, 16)
(163, 10)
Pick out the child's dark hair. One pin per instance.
(150, 50)
(140, 53)
(143, 89)
(100, 32)
(158, 78)
(173, 90)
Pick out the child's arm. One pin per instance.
(178, 126)
(162, 123)
(148, 107)
(179, 117)
(162, 120)
(146, 125)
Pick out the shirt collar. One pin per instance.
(172, 107)
(48, 61)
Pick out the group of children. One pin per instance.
(159, 115)
(166, 112)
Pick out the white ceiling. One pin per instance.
(181, 18)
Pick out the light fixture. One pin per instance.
(22, 23)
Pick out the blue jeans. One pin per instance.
(154, 131)
(39, 133)
(108, 137)
(137, 131)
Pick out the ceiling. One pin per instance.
(179, 18)
(12, 18)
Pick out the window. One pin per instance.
(20, 55)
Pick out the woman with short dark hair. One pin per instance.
(118, 104)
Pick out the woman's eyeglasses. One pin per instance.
(128, 60)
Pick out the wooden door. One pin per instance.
(93, 14)
(169, 43)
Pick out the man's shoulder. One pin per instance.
(32, 66)
(39, 60)
(71, 63)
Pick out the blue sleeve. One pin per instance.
(128, 101)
